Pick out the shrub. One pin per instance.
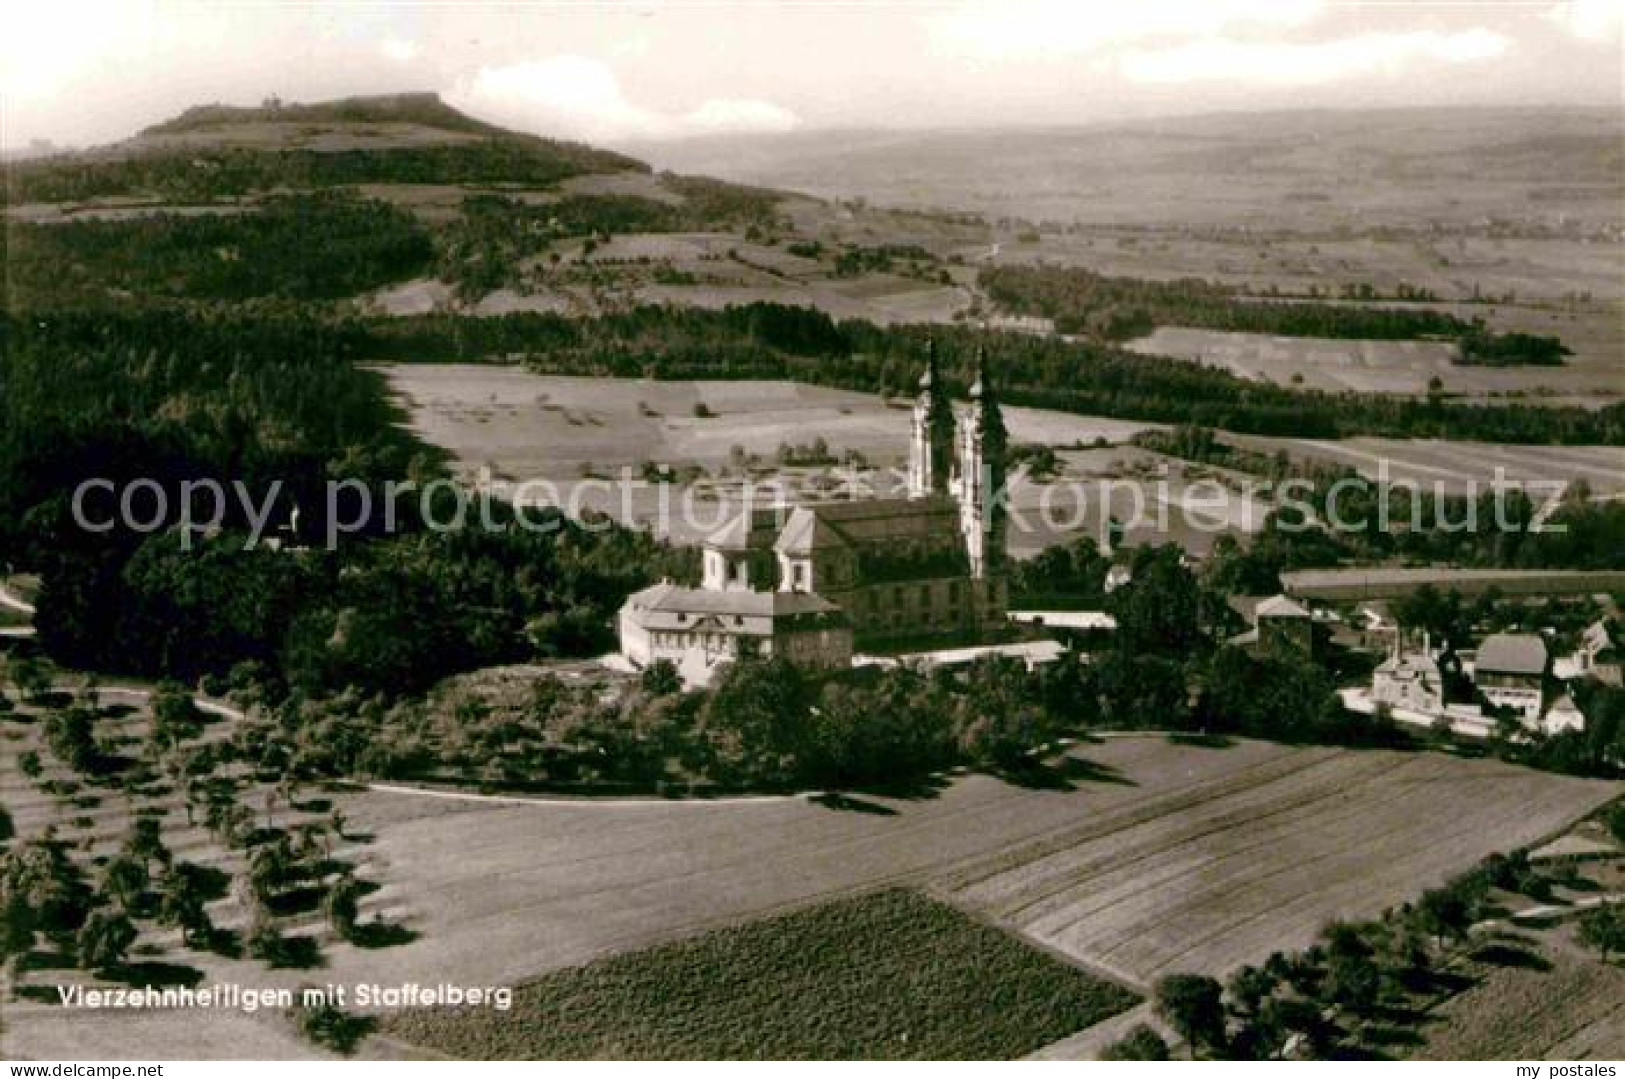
(332, 1027)
(1615, 820)
(1193, 1004)
(1141, 1043)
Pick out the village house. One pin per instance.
(1280, 626)
(1598, 656)
(1513, 670)
(1410, 680)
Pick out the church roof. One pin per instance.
(849, 524)
(667, 598)
(754, 529)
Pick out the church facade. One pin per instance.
(814, 581)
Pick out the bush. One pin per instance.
(332, 1027)
(342, 906)
(1193, 1004)
(1141, 1043)
(1615, 820)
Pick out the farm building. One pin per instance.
(1512, 671)
(1280, 625)
(888, 569)
(1599, 656)
(1350, 585)
(1284, 625)
(1081, 630)
(1563, 715)
(1410, 680)
(1031, 654)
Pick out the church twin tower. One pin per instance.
(962, 456)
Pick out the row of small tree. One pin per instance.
(1320, 1000)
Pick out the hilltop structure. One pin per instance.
(811, 582)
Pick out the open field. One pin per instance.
(1159, 857)
(1521, 206)
(888, 975)
(1453, 467)
(525, 424)
(1401, 368)
(1568, 1006)
(1151, 856)
(522, 426)
(1225, 882)
(1316, 363)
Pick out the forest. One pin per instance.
(213, 174)
(322, 245)
(270, 403)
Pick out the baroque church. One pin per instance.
(811, 582)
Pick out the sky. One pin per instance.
(82, 73)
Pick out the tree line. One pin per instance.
(215, 174)
(1081, 301)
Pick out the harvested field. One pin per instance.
(1159, 856)
(889, 975)
(1225, 881)
(1573, 1009)
(1402, 368)
(1455, 467)
(1142, 855)
(526, 424)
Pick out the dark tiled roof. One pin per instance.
(676, 599)
(875, 520)
(754, 529)
(1281, 607)
(1512, 653)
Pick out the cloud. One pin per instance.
(1288, 64)
(46, 47)
(739, 114)
(1590, 20)
(579, 97)
(1030, 28)
(399, 50)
